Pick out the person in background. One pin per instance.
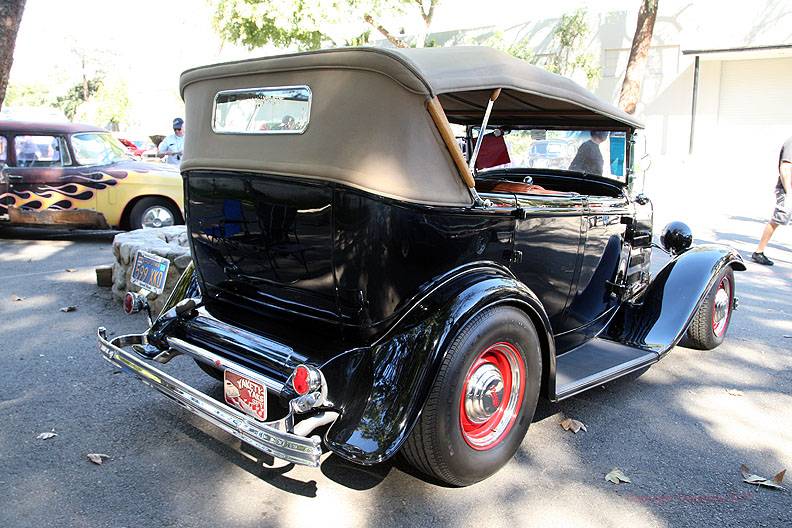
(783, 208)
(172, 146)
(589, 158)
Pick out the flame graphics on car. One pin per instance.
(77, 187)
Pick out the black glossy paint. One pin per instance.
(371, 290)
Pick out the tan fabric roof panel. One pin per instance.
(366, 130)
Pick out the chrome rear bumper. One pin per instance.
(270, 437)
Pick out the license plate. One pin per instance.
(149, 272)
(245, 394)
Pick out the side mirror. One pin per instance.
(676, 238)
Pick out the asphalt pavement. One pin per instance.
(679, 432)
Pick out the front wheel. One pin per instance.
(482, 401)
(153, 212)
(708, 327)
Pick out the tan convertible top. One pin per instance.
(369, 127)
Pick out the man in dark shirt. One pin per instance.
(782, 212)
(589, 158)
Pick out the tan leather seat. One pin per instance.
(505, 186)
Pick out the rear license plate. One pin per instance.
(149, 272)
(245, 394)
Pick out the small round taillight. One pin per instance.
(306, 379)
(133, 302)
(129, 303)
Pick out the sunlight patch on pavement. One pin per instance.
(33, 250)
(758, 421)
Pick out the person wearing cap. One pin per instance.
(172, 146)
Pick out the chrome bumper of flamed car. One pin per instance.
(269, 437)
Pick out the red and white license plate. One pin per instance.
(245, 394)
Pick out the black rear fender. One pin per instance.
(387, 383)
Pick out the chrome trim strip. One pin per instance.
(220, 362)
(269, 437)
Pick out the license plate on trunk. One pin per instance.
(149, 272)
(245, 394)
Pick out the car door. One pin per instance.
(548, 247)
(603, 267)
(41, 176)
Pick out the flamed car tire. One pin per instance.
(460, 444)
(713, 316)
(151, 203)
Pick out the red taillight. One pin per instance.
(129, 303)
(301, 380)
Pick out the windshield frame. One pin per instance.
(110, 141)
(624, 180)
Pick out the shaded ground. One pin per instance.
(675, 431)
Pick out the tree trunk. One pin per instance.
(10, 17)
(639, 53)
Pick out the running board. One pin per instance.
(596, 362)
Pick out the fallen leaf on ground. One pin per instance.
(71, 270)
(756, 480)
(735, 392)
(44, 436)
(616, 476)
(97, 458)
(15, 297)
(69, 309)
(570, 424)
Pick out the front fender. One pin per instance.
(390, 381)
(659, 320)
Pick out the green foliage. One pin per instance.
(310, 25)
(569, 37)
(107, 106)
(75, 96)
(29, 95)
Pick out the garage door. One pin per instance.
(755, 110)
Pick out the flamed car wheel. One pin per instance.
(482, 400)
(709, 325)
(153, 212)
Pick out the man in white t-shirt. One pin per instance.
(172, 147)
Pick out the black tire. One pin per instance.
(144, 204)
(216, 373)
(703, 332)
(438, 446)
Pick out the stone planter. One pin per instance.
(168, 242)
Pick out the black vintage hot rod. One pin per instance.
(382, 264)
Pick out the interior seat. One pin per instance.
(506, 186)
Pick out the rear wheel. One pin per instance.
(153, 212)
(709, 325)
(482, 401)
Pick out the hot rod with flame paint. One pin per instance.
(74, 175)
(375, 274)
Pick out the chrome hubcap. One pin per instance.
(721, 305)
(484, 393)
(157, 216)
(491, 396)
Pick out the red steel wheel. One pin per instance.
(491, 396)
(482, 399)
(711, 321)
(721, 307)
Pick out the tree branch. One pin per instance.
(392, 39)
